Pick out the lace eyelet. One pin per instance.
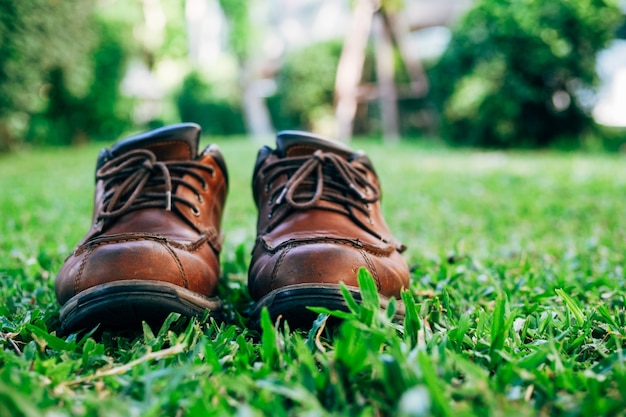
(98, 225)
(195, 211)
(200, 199)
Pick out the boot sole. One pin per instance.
(126, 304)
(292, 303)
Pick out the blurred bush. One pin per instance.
(305, 87)
(101, 112)
(37, 36)
(60, 69)
(216, 110)
(519, 73)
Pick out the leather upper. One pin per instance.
(157, 215)
(319, 218)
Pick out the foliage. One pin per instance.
(101, 113)
(518, 73)
(237, 15)
(215, 110)
(174, 43)
(304, 97)
(516, 305)
(305, 86)
(611, 139)
(37, 36)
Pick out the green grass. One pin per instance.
(517, 304)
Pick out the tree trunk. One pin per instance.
(400, 31)
(387, 94)
(350, 68)
(256, 114)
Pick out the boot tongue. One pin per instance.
(171, 143)
(291, 143)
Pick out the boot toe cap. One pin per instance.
(326, 263)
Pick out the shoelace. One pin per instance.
(334, 178)
(137, 180)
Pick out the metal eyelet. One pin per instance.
(98, 225)
(195, 211)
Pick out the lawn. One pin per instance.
(517, 304)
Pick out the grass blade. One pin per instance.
(572, 307)
(411, 319)
(498, 330)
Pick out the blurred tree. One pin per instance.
(99, 113)
(242, 42)
(515, 71)
(305, 87)
(216, 112)
(37, 36)
(236, 12)
(159, 31)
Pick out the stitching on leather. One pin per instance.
(371, 267)
(211, 238)
(79, 275)
(376, 251)
(214, 240)
(281, 257)
(178, 264)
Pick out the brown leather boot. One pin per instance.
(154, 244)
(319, 223)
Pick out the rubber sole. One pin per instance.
(292, 303)
(126, 304)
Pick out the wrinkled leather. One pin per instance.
(330, 241)
(180, 246)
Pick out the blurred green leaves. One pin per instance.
(305, 86)
(515, 70)
(60, 69)
(37, 36)
(214, 107)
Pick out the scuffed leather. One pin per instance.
(327, 243)
(180, 246)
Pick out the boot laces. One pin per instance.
(321, 176)
(137, 180)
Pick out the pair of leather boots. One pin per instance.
(154, 244)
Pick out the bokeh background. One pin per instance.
(480, 73)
